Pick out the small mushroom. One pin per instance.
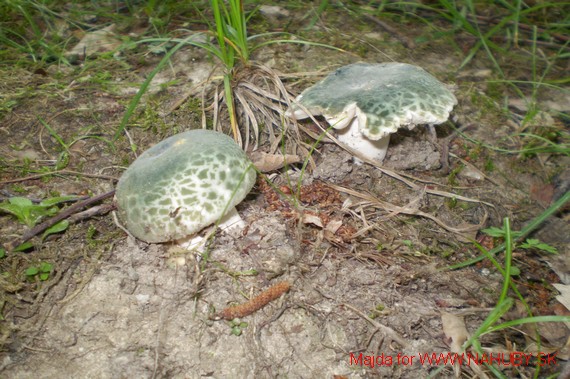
(374, 101)
(182, 185)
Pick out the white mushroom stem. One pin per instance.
(373, 150)
(194, 242)
(432, 133)
(231, 224)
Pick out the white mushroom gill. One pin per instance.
(182, 185)
(374, 101)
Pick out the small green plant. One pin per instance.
(29, 213)
(90, 236)
(489, 165)
(237, 327)
(28, 37)
(451, 202)
(377, 311)
(534, 145)
(452, 176)
(56, 228)
(529, 244)
(41, 272)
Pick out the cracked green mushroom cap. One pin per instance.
(375, 100)
(182, 185)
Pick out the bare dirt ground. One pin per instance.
(114, 307)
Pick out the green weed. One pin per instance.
(29, 213)
(517, 236)
(63, 158)
(40, 272)
(533, 144)
(508, 270)
(237, 327)
(529, 244)
(505, 302)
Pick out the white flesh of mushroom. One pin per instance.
(371, 149)
(351, 136)
(231, 224)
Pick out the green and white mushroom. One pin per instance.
(182, 185)
(374, 101)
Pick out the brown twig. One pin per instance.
(67, 212)
(91, 212)
(407, 42)
(388, 332)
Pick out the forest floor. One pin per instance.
(366, 249)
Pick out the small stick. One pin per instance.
(388, 332)
(405, 40)
(91, 212)
(54, 220)
(60, 172)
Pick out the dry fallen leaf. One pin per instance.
(333, 226)
(271, 162)
(454, 328)
(564, 297)
(310, 218)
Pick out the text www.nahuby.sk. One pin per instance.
(466, 359)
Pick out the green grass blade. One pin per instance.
(497, 312)
(508, 259)
(54, 134)
(136, 99)
(526, 320)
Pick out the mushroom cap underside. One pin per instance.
(182, 185)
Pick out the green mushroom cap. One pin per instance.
(182, 185)
(386, 95)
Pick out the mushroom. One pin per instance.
(182, 185)
(374, 101)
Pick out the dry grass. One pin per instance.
(260, 100)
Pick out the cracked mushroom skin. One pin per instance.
(366, 103)
(182, 185)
